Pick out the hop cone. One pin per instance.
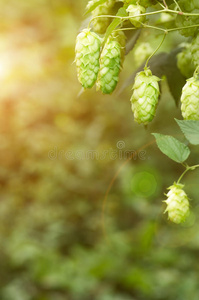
(135, 10)
(119, 37)
(184, 61)
(111, 61)
(100, 24)
(190, 99)
(177, 204)
(145, 96)
(142, 51)
(191, 6)
(87, 57)
(145, 3)
(109, 67)
(195, 50)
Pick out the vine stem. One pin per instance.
(188, 168)
(165, 10)
(165, 33)
(151, 13)
(177, 5)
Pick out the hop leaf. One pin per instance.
(190, 99)
(177, 204)
(87, 57)
(111, 61)
(145, 96)
(136, 10)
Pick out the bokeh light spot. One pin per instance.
(143, 184)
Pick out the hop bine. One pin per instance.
(177, 204)
(145, 96)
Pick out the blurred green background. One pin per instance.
(79, 220)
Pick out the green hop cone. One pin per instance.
(191, 6)
(87, 57)
(119, 37)
(142, 52)
(100, 24)
(177, 204)
(111, 60)
(136, 10)
(145, 96)
(145, 3)
(184, 61)
(190, 99)
(195, 50)
(109, 67)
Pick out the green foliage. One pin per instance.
(190, 128)
(115, 23)
(58, 155)
(171, 147)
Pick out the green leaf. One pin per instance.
(190, 128)
(94, 5)
(116, 22)
(171, 147)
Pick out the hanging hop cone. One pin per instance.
(191, 6)
(142, 52)
(87, 57)
(145, 3)
(136, 10)
(190, 99)
(119, 37)
(177, 204)
(195, 50)
(100, 24)
(145, 96)
(184, 61)
(111, 60)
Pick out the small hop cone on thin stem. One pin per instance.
(177, 204)
(145, 3)
(100, 24)
(184, 61)
(142, 52)
(111, 60)
(190, 99)
(135, 12)
(194, 49)
(87, 51)
(145, 96)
